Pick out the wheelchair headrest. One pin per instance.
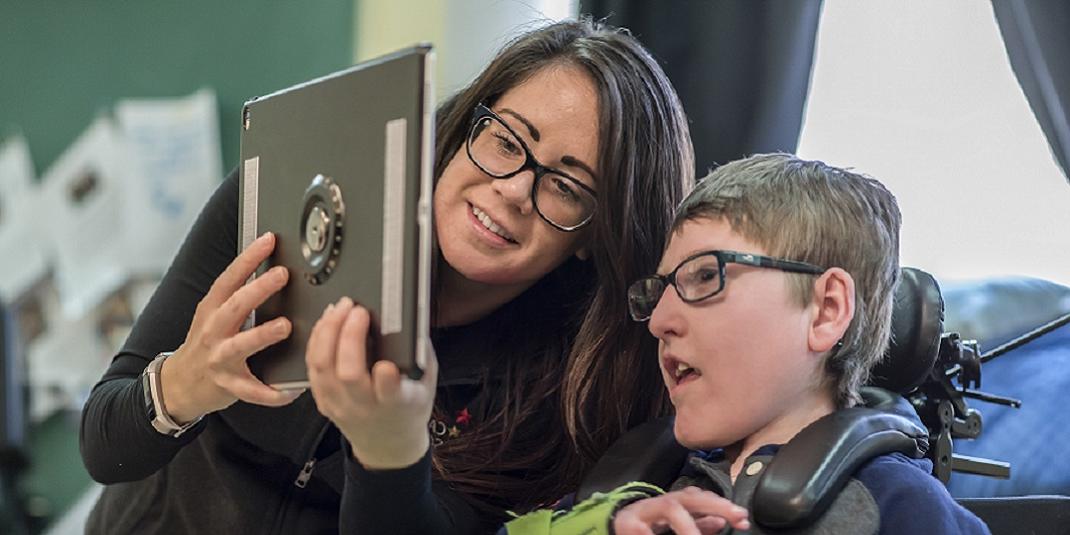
(917, 323)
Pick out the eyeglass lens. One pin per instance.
(695, 279)
(494, 148)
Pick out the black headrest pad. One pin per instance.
(810, 470)
(917, 323)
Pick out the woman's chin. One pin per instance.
(481, 273)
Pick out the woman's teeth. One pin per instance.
(491, 225)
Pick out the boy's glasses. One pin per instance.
(561, 200)
(701, 276)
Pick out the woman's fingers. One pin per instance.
(248, 388)
(239, 270)
(351, 364)
(382, 414)
(233, 375)
(323, 343)
(252, 341)
(388, 384)
(229, 317)
(314, 346)
(321, 355)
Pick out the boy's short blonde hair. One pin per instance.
(813, 212)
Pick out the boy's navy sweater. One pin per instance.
(890, 494)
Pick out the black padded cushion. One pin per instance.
(917, 323)
(648, 453)
(809, 471)
(1036, 515)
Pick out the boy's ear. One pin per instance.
(833, 303)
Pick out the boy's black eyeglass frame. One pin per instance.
(540, 170)
(636, 293)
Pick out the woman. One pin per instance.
(557, 171)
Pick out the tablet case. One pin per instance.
(339, 168)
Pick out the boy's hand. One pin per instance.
(687, 512)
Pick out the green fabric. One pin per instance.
(589, 517)
(534, 523)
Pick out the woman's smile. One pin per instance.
(486, 227)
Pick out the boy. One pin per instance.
(772, 302)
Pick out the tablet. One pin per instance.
(339, 168)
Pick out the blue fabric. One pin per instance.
(911, 500)
(908, 498)
(1034, 438)
(996, 310)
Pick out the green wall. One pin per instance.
(63, 61)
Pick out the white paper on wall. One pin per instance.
(81, 211)
(16, 167)
(174, 164)
(63, 364)
(23, 258)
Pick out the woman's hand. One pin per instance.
(382, 413)
(687, 512)
(208, 372)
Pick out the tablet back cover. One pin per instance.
(339, 169)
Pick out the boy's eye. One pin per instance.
(699, 276)
(707, 274)
(703, 275)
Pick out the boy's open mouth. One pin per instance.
(679, 371)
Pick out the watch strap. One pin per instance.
(154, 402)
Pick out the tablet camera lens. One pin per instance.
(322, 219)
(316, 228)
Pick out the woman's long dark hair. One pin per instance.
(577, 371)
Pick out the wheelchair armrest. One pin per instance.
(810, 470)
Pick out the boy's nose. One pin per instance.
(517, 190)
(665, 319)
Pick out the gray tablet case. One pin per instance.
(339, 168)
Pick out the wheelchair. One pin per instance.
(916, 379)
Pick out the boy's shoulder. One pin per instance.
(910, 499)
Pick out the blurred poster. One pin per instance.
(173, 150)
(82, 209)
(123, 196)
(63, 364)
(16, 167)
(23, 258)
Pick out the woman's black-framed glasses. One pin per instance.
(561, 200)
(701, 276)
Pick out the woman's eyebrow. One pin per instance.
(531, 128)
(571, 161)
